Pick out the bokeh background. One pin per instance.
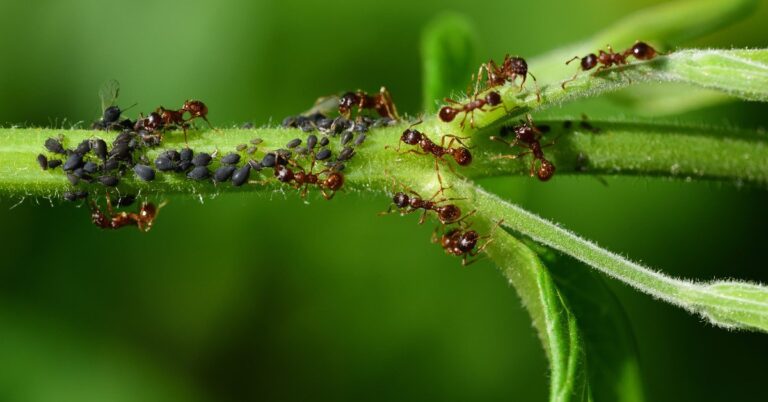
(246, 297)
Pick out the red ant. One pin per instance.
(143, 219)
(382, 103)
(462, 243)
(448, 113)
(333, 181)
(529, 136)
(446, 213)
(640, 50)
(460, 154)
(511, 68)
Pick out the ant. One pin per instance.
(448, 113)
(143, 219)
(446, 213)
(333, 181)
(529, 136)
(460, 154)
(511, 68)
(382, 103)
(640, 50)
(463, 243)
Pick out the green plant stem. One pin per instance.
(622, 148)
(729, 304)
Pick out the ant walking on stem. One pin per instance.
(448, 113)
(333, 181)
(510, 69)
(382, 103)
(460, 153)
(529, 136)
(410, 201)
(640, 51)
(112, 220)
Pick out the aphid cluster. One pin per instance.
(151, 127)
(640, 51)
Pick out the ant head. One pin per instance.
(493, 98)
(347, 100)
(643, 51)
(447, 113)
(147, 215)
(525, 133)
(588, 62)
(518, 65)
(283, 174)
(400, 199)
(468, 241)
(462, 156)
(411, 137)
(449, 213)
(194, 106)
(546, 170)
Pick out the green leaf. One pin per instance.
(555, 323)
(610, 346)
(449, 54)
(730, 304)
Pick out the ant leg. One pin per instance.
(439, 178)
(536, 84)
(562, 84)
(449, 100)
(453, 138)
(467, 215)
(109, 204)
(423, 217)
(464, 262)
(599, 69)
(510, 156)
(389, 104)
(326, 196)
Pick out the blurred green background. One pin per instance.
(247, 297)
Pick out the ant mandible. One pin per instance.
(448, 113)
(511, 68)
(333, 181)
(464, 243)
(460, 154)
(529, 136)
(382, 103)
(406, 204)
(640, 50)
(143, 219)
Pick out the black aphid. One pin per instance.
(54, 163)
(201, 159)
(256, 141)
(144, 172)
(360, 139)
(164, 164)
(186, 154)
(255, 165)
(199, 173)
(73, 162)
(54, 145)
(83, 147)
(346, 138)
(126, 200)
(293, 143)
(268, 160)
(240, 176)
(108, 181)
(111, 164)
(251, 150)
(241, 147)
(90, 167)
(42, 161)
(73, 180)
(346, 154)
(323, 154)
(223, 173)
(324, 141)
(99, 147)
(290, 121)
(311, 142)
(230, 159)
